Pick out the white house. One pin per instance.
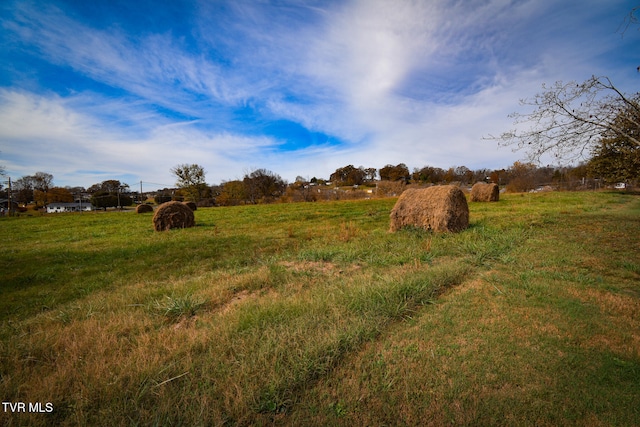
(69, 207)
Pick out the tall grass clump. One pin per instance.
(174, 308)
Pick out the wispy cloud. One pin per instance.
(368, 82)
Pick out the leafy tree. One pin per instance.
(232, 193)
(617, 157)
(348, 175)
(570, 118)
(110, 193)
(497, 176)
(263, 185)
(58, 194)
(23, 189)
(395, 173)
(42, 181)
(111, 186)
(450, 175)
(464, 174)
(428, 174)
(521, 177)
(370, 174)
(191, 179)
(27, 185)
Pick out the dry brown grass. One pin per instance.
(440, 208)
(191, 205)
(482, 192)
(173, 215)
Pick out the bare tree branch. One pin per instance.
(570, 118)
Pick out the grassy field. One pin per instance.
(314, 314)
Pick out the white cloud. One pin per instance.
(391, 81)
(55, 135)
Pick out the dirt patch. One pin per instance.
(235, 300)
(317, 267)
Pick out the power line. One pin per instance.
(155, 183)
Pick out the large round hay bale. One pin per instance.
(191, 205)
(173, 215)
(481, 192)
(441, 208)
(144, 208)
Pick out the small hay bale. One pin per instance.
(191, 205)
(441, 208)
(481, 192)
(173, 215)
(144, 208)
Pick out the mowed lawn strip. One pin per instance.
(314, 313)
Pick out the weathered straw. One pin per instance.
(440, 208)
(482, 192)
(144, 208)
(173, 215)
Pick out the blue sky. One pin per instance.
(112, 89)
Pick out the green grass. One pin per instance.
(314, 314)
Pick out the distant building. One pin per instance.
(69, 207)
(4, 206)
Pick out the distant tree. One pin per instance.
(450, 175)
(498, 176)
(370, 174)
(110, 193)
(395, 173)
(348, 175)
(191, 179)
(521, 177)
(23, 189)
(464, 174)
(232, 193)
(616, 160)
(263, 186)
(104, 200)
(108, 186)
(58, 194)
(570, 118)
(76, 191)
(480, 175)
(428, 174)
(163, 196)
(42, 181)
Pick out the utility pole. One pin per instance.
(141, 199)
(10, 207)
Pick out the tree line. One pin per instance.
(264, 186)
(567, 120)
